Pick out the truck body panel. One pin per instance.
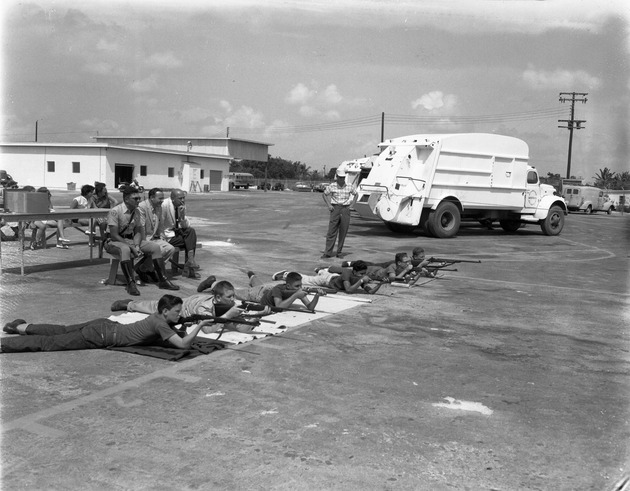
(485, 176)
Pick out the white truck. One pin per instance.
(435, 181)
(588, 199)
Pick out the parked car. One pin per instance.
(278, 186)
(302, 186)
(319, 188)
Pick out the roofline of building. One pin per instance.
(186, 138)
(136, 148)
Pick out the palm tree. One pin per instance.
(605, 179)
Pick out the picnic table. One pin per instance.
(62, 214)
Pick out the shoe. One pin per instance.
(87, 232)
(318, 269)
(207, 283)
(120, 304)
(325, 256)
(192, 264)
(279, 275)
(64, 240)
(142, 275)
(62, 246)
(250, 274)
(11, 327)
(190, 273)
(346, 264)
(132, 289)
(167, 285)
(339, 254)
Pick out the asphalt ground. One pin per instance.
(504, 375)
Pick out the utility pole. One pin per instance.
(36, 121)
(572, 123)
(382, 127)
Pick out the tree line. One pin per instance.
(277, 168)
(605, 178)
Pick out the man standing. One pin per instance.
(151, 226)
(178, 231)
(339, 197)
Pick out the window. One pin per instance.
(171, 172)
(532, 177)
(576, 191)
(143, 170)
(51, 166)
(76, 167)
(202, 174)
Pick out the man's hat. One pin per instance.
(341, 173)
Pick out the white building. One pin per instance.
(191, 164)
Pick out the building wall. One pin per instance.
(27, 164)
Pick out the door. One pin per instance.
(122, 173)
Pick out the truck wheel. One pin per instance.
(444, 221)
(610, 210)
(399, 228)
(553, 224)
(510, 225)
(589, 209)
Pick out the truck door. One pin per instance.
(532, 190)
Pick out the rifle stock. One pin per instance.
(222, 320)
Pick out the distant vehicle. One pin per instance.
(278, 186)
(134, 184)
(435, 181)
(319, 188)
(302, 186)
(588, 199)
(7, 181)
(240, 180)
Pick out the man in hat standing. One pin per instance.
(339, 197)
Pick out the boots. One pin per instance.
(127, 269)
(163, 283)
(121, 304)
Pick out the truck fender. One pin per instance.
(546, 203)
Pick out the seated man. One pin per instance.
(177, 229)
(103, 333)
(275, 294)
(152, 231)
(125, 239)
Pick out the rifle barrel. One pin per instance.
(452, 261)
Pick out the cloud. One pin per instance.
(145, 85)
(436, 102)
(99, 68)
(557, 79)
(300, 94)
(165, 60)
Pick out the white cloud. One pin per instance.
(99, 68)
(300, 94)
(557, 79)
(166, 60)
(331, 95)
(145, 85)
(436, 102)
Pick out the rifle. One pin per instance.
(442, 262)
(222, 320)
(257, 307)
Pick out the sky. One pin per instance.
(316, 78)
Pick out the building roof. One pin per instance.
(135, 148)
(184, 138)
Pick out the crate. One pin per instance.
(20, 201)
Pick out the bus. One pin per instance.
(240, 180)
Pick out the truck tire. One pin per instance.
(510, 225)
(610, 210)
(400, 228)
(589, 210)
(553, 224)
(445, 220)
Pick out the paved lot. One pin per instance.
(509, 374)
